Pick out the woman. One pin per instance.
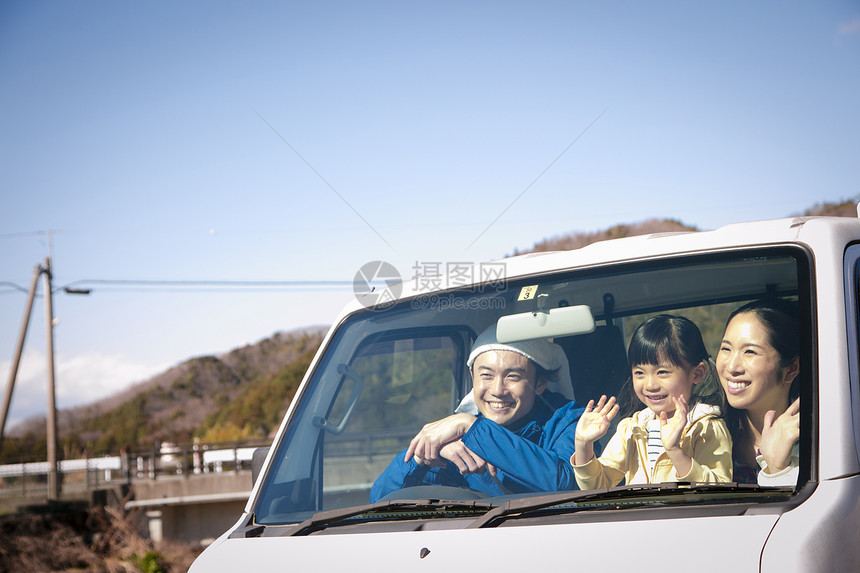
(758, 364)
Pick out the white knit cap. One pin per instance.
(541, 351)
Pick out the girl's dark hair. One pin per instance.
(677, 340)
(667, 338)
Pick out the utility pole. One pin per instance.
(16, 361)
(53, 468)
(53, 475)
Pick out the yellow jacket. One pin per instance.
(706, 440)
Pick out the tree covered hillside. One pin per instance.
(242, 394)
(578, 239)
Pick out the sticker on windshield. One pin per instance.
(528, 293)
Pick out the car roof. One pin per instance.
(813, 232)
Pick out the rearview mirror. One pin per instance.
(563, 321)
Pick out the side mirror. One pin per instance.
(257, 460)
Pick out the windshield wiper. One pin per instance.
(626, 495)
(421, 508)
(492, 514)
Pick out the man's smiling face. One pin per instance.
(504, 385)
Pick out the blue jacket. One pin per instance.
(533, 456)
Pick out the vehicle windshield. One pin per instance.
(389, 371)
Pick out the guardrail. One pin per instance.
(78, 477)
(108, 464)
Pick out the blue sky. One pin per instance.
(283, 141)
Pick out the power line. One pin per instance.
(23, 234)
(14, 286)
(84, 286)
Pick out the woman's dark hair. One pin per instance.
(677, 340)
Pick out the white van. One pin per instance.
(384, 371)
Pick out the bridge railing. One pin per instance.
(29, 479)
(178, 460)
(170, 459)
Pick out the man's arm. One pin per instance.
(426, 445)
(400, 474)
(541, 466)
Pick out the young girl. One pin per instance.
(679, 436)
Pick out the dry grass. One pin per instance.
(100, 539)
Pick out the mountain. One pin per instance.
(844, 209)
(243, 393)
(577, 240)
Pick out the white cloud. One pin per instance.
(93, 375)
(30, 393)
(79, 380)
(850, 28)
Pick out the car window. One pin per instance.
(387, 372)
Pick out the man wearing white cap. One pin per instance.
(519, 439)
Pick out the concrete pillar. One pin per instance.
(156, 525)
